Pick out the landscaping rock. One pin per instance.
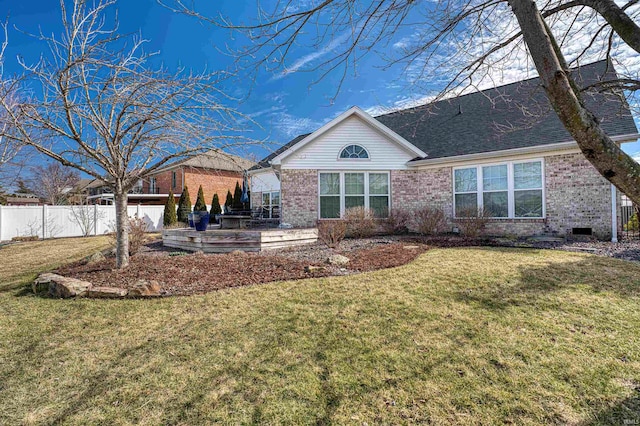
(62, 287)
(338, 259)
(95, 258)
(411, 247)
(313, 268)
(106, 292)
(41, 284)
(146, 289)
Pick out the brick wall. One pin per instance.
(164, 181)
(576, 196)
(414, 189)
(212, 181)
(256, 199)
(299, 197)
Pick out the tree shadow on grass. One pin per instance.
(625, 412)
(592, 273)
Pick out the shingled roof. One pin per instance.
(213, 159)
(516, 115)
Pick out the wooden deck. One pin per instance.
(228, 240)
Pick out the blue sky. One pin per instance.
(283, 105)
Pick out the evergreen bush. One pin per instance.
(184, 206)
(200, 206)
(237, 196)
(170, 216)
(215, 208)
(228, 202)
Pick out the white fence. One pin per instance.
(69, 221)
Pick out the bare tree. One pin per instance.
(469, 41)
(10, 148)
(53, 183)
(100, 108)
(86, 216)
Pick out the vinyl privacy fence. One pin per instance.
(69, 221)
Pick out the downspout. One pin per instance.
(614, 214)
(182, 190)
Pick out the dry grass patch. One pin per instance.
(466, 336)
(23, 261)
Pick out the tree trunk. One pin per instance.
(605, 155)
(122, 226)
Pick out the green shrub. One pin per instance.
(237, 196)
(215, 208)
(633, 224)
(200, 206)
(184, 206)
(170, 216)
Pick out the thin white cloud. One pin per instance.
(311, 57)
(292, 126)
(266, 111)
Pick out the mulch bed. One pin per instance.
(199, 273)
(180, 273)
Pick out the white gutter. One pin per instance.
(511, 152)
(614, 214)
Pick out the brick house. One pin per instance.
(216, 171)
(502, 149)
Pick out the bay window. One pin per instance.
(508, 190)
(339, 191)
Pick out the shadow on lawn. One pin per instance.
(599, 274)
(625, 412)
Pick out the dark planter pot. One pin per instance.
(201, 221)
(191, 221)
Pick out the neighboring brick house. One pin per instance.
(502, 149)
(216, 171)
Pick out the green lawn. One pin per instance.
(467, 336)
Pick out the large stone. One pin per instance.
(95, 258)
(106, 292)
(338, 259)
(41, 283)
(146, 289)
(62, 287)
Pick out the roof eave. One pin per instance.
(512, 152)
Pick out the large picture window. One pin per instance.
(340, 191)
(509, 190)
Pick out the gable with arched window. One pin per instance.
(354, 152)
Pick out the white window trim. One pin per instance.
(353, 159)
(270, 205)
(510, 187)
(366, 189)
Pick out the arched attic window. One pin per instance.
(354, 151)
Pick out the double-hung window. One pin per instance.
(330, 195)
(509, 190)
(340, 191)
